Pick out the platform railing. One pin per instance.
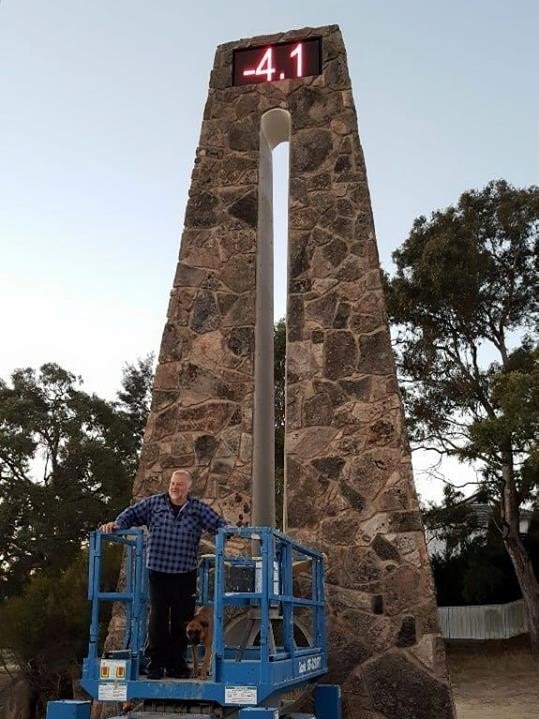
(134, 596)
(275, 656)
(272, 560)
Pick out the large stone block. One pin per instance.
(402, 690)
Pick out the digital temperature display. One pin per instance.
(285, 61)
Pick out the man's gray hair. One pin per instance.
(185, 472)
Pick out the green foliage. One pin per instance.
(452, 523)
(482, 574)
(50, 617)
(465, 289)
(135, 397)
(515, 423)
(67, 459)
(66, 462)
(46, 627)
(465, 302)
(469, 560)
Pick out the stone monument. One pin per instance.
(349, 484)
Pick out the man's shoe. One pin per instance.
(179, 672)
(154, 673)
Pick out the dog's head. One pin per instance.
(195, 630)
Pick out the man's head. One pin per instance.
(179, 486)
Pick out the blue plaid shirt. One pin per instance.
(173, 539)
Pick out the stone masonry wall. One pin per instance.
(349, 480)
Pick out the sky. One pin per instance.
(100, 111)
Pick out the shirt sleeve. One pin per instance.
(210, 520)
(135, 516)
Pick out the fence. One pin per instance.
(489, 621)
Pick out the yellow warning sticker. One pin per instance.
(112, 669)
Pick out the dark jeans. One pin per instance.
(172, 605)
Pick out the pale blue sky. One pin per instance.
(100, 110)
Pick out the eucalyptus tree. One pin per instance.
(464, 302)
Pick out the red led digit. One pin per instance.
(297, 52)
(265, 65)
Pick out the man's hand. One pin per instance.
(108, 527)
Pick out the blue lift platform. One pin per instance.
(268, 643)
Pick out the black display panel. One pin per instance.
(284, 61)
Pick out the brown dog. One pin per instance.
(200, 631)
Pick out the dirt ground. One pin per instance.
(491, 680)
(494, 680)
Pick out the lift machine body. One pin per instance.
(278, 645)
